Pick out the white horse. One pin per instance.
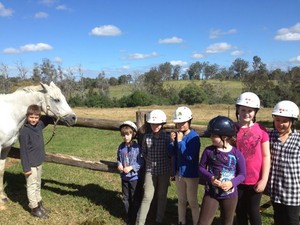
(13, 109)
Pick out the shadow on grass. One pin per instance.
(110, 200)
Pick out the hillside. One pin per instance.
(235, 87)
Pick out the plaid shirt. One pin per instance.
(155, 153)
(284, 179)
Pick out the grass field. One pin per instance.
(234, 86)
(87, 197)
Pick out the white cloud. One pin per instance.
(142, 56)
(58, 60)
(218, 47)
(289, 34)
(106, 30)
(4, 11)
(178, 63)
(237, 53)
(295, 59)
(41, 15)
(28, 48)
(47, 2)
(215, 33)
(63, 8)
(172, 40)
(197, 56)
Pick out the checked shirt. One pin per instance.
(155, 153)
(284, 179)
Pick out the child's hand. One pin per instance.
(127, 169)
(172, 136)
(226, 185)
(28, 173)
(120, 168)
(179, 136)
(215, 182)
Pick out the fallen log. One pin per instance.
(101, 165)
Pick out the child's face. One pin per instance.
(127, 137)
(33, 119)
(216, 141)
(282, 124)
(246, 114)
(184, 126)
(155, 127)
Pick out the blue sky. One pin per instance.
(131, 36)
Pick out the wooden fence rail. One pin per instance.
(103, 124)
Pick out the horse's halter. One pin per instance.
(55, 122)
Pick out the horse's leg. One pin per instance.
(4, 153)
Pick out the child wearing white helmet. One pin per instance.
(185, 148)
(284, 180)
(253, 142)
(155, 152)
(129, 162)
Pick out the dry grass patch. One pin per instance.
(201, 113)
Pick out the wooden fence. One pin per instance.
(103, 124)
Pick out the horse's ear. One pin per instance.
(52, 84)
(44, 86)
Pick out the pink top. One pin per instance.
(249, 142)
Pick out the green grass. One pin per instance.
(235, 87)
(82, 196)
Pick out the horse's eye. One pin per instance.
(56, 100)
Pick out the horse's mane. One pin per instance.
(29, 89)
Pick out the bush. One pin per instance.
(192, 94)
(137, 98)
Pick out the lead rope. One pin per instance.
(55, 123)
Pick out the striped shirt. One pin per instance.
(155, 153)
(284, 179)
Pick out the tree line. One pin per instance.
(150, 87)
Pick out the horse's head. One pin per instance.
(55, 104)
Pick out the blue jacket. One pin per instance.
(130, 156)
(186, 155)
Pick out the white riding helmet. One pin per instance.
(156, 116)
(182, 114)
(286, 109)
(248, 99)
(130, 124)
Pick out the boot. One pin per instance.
(37, 212)
(44, 210)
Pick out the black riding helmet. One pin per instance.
(222, 126)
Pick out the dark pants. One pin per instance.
(209, 207)
(285, 214)
(248, 206)
(130, 200)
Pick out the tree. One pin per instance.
(176, 72)
(166, 71)
(4, 81)
(153, 81)
(125, 79)
(22, 70)
(102, 84)
(240, 67)
(210, 71)
(48, 71)
(113, 81)
(192, 94)
(195, 70)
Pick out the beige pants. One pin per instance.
(187, 191)
(33, 185)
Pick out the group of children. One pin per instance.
(243, 161)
